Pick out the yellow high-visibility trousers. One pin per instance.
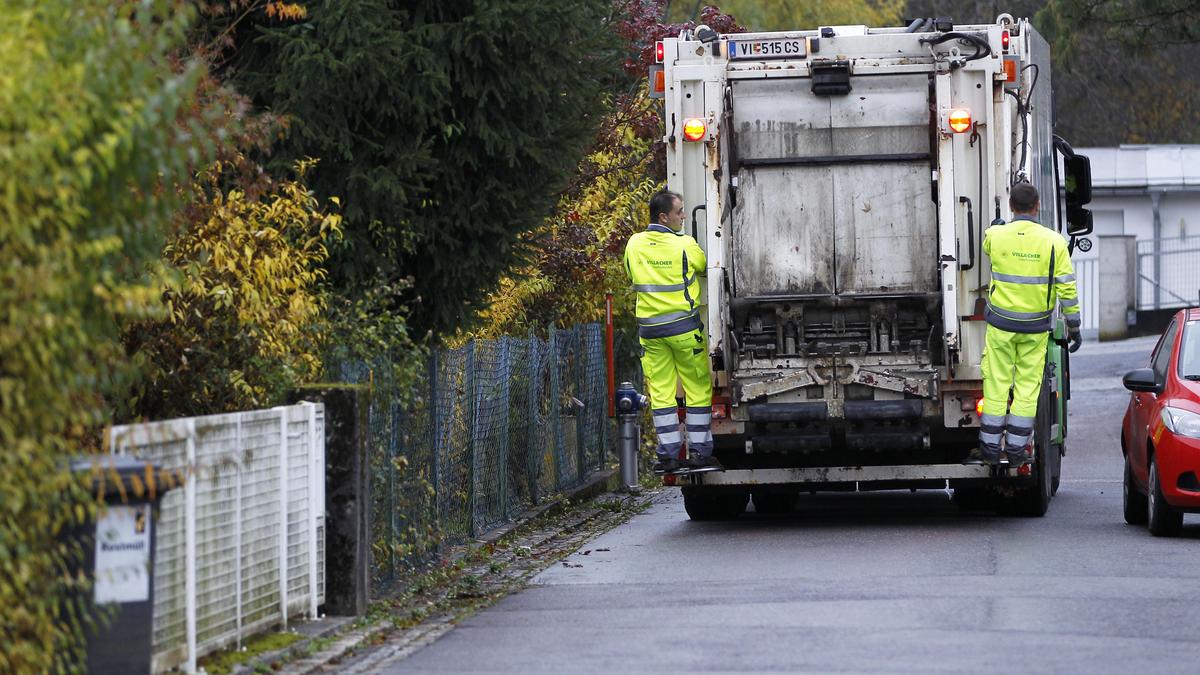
(665, 362)
(1016, 362)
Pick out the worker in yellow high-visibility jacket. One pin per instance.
(1031, 273)
(664, 265)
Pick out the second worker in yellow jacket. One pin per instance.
(1031, 274)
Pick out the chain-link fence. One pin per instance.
(1167, 274)
(486, 431)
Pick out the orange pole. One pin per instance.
(612, 371)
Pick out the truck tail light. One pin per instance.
(658, 83)
(960, 120)
(694, 129)
(979, 406)
(1010, 69)
(720, 408)
(1003, 40)
(660, 52)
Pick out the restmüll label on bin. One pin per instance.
(123, 555)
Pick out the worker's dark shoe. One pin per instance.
(975, 458)
(668, 465)
(703, 464)
(1019, 457)
(982, 456)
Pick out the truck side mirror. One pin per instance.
(1079, 221)
(1078, 180)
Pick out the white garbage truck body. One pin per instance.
(840, 181)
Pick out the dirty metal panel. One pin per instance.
(885, 228)
(781, 242)
(780, 118)
(862, 226)
(883, 114)
(886, 222)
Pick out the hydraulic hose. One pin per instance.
(982, 48)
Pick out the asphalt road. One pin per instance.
(870, 582)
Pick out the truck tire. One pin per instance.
(774, 502)
(707, 505)
(1032, 501)
(1136, 508)
(1164, 521)
(1056, 476)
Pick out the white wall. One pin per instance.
(1125, 181)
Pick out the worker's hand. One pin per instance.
(1076, 341)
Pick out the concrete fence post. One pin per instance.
(1118, 284)
(347, 495)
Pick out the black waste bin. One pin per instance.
(119, 557)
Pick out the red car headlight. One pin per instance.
(1181, 422)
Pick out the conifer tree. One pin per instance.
(447, 127)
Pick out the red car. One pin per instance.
(1160, 435)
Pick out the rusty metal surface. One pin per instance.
(785, 381)
(917, 386)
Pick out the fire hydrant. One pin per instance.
(629, 433)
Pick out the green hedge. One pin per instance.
(98, 123)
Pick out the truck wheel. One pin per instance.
(714, 505)
(1164, 521)
(1056, 477)
(774, 502)
(1136, 509)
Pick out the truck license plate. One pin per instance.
(782, 48)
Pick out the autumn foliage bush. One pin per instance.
(96, 126)
(245, 316)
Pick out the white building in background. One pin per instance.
(1151, 192)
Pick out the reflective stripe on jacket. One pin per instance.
(664, 267)
(1031, 269)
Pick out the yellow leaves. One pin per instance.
(286, 11)
(250, 297)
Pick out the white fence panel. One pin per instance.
(244, 539)
(1087, 282)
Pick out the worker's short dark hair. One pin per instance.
(662, 202)
(1023, 198)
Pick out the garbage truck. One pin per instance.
(840, 181)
